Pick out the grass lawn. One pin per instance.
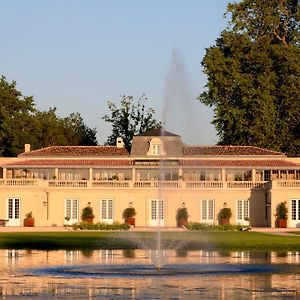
(133, 240)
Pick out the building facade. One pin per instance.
(157, 177)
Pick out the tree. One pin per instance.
(53, 130)
(16, 119)
(129, 119)
(253, 75)
(77, 132)
(22, 123)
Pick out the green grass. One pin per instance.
(131, 240)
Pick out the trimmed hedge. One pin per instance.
(100, 226)
(210, 227)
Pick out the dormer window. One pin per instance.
(156, 147)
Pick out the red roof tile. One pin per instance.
(205, 163)
(227, 150)
(70, 162)
(77, 151)
(240, 163)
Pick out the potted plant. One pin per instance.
(182, 217)
(87, 215)
(29, 220)
(224, 216)
(281, 215)
(128, 215)
(67, 219)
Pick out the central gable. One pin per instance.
(156, 142)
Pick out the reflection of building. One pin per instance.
(32, 275)
(157, 177)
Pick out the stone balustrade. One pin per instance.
(145, 184)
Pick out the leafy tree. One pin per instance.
(253, 75)
(21, 123)
(129, 119)
(16, 118)
(53, 130)
(49, 129)
(77, 132)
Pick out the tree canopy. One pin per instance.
(22, 123)
(253, 73)
(129, 119)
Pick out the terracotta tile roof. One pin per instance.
(77, 151)
(157, 132)
(70, 162)
(205, 163)
(240, 163)
(227, 150)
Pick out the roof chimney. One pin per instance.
(27, 148)
(120, 143)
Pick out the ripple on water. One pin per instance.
(144, 270)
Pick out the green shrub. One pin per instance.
(182, 213)
(281, 211)
(87, 213)
(211, 227)
(224, 213)
(128, 212)
(100, 226)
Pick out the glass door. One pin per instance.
(157, 212)
(71, 211)
(13, 212)
(295, 213)
(106, 211)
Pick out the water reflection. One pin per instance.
(281, 281)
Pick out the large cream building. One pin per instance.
(160, 175)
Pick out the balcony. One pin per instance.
(145, 184)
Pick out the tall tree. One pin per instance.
(129, 119)
(253, 75)
(53, 130)
(21, 123)
(16, 118)
(77, 132)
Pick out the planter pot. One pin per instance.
(88, 220)
(130, 221)
(29, 222)
(224, 221)
(282, 223)
(182, 222)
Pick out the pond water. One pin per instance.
(130, 274)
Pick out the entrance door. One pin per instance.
(207, 211)
(243, 212)
(13, 212)
(71, 211)
(157, 212)
(106, 211)
(295, 213)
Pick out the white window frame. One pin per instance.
(156, 149)
(13, 211)
(207, 213)
(71, 211)
(294, 212)
(107, 210)
(157, 212)
(243, 211)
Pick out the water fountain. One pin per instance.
(195, 274)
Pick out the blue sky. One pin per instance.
(78, 54)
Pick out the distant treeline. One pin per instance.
(21, 123)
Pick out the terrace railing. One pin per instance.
(285, 184)
(149, 184)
